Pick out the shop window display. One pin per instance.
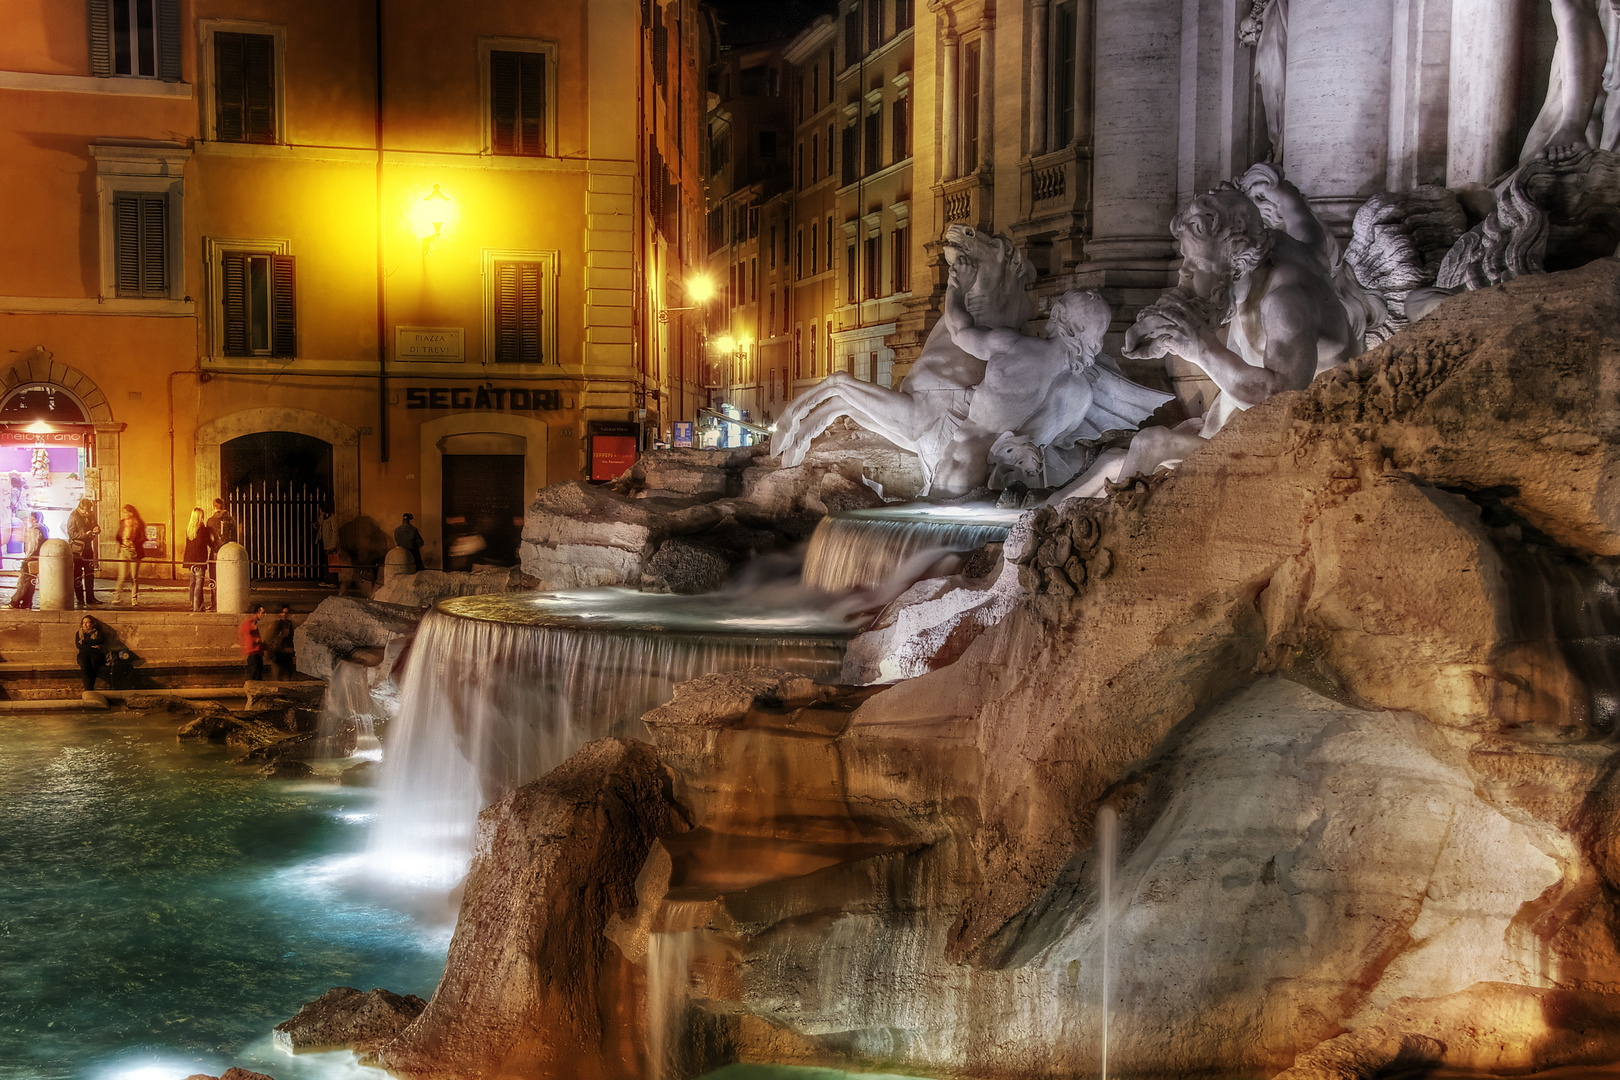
(45, 460)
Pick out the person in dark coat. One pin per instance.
(407, 537)
(92, 643)
(83, 534)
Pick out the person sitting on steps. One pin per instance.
(92, 644)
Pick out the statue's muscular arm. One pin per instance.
(1289, 314)
(979, 341)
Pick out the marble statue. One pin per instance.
(1257, 309)
(1041, 398)
(1283, 206)
(984, 402)
(1266, 29)
(923, 415)
(1582, 108)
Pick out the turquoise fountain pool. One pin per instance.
(161, 909)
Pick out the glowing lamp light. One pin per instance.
(726, 343)
(39, 427)
(700, 289)
(431, 215)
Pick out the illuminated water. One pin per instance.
(499, 690)
(162, 909)
(864, 548)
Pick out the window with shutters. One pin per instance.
(814, 247)
(904, 15)
(874, 141)
(900, 260)
(253, 297)
(852, 154)
(900, 128)
(520, 93)
(244, 87)
(243, 98)
(141, 262)
(517, 313)
(874, 267)
(138, 38)
(258, 304)
(520, 325)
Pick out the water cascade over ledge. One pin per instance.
(857, 549)
(499, 690)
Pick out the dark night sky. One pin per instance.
(749, 21)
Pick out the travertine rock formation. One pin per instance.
(1367, 815)
(577, 535)
(532, 988)
(346, 1018)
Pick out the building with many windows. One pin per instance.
(362, 260)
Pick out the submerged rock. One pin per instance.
(531, 986)
(362, 774)
(345, 1018)
(232, 1074)
(288, 769)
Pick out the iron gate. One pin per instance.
(278, 524)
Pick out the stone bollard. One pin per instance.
(398, 563)
(55, 576)
(231, 579)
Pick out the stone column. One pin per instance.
(55, 576)
(1486, 49)
(951, 94)
(1085, 64)
(1135, 137)
(987, 96)
(1037, 77)
(1336, 117)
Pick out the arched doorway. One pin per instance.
(277, 483)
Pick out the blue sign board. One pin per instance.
(683, 433)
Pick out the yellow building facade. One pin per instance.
(367, 260)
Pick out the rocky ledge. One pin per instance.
(1345, 677)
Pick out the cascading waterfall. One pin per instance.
(500, 690)
(1107, 852)
(670, 952)
(862, 549)
(348, 701)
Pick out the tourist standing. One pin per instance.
(247, 636)
(28, 572)
(408, 537)
(92, 643)
(222, 526)
(131, 550)
(199, 546)
(82, 532)
(278, 645)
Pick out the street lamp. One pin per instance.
(699, 289)
(431, 215)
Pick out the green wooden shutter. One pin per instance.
(230, 87)
(168, 40)
(101, 37)
(154, 245)
(283, 310)
(517, 313)
(140, 244)
(532, 103)
(259, 86)
(127, 244)
(529, 314)
(233, 302)
(503, 102)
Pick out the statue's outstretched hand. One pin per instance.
(1174, 323)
